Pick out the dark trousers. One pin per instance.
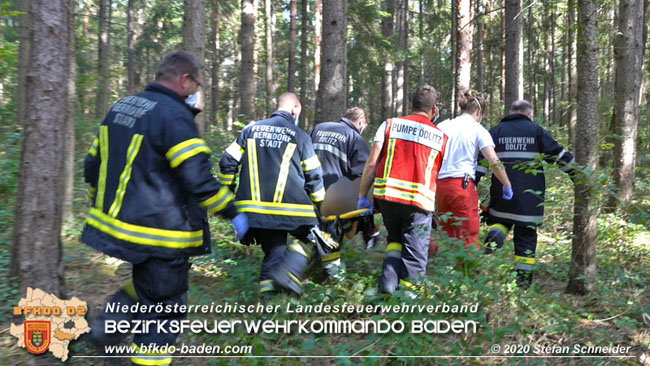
(155, 281)
(277, 253)
(525, 240)
(409, 230)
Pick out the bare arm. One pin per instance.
(370, 170)
(496, 165)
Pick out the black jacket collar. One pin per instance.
(157, 88)
(515, 117)
(348, 123)
(285, 115)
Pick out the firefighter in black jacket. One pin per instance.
(152, 187)
(279, 183)
(343, 152)
(521, 145)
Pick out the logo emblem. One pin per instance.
(37, 335)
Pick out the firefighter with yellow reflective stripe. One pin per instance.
(404, 162)
(279, 183)
(152, 188)
(522, 146)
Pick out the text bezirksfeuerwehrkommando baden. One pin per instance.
(276, 326)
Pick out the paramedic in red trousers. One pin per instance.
(152, 188)
(522, 144)
(343, 152)
(406, 156)
(279, 183)
(457, 192)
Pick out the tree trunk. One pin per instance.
(464, 33)
(37, 225)
(293, 42)
(68, 162)
(25, 26)
(247, 77)
(130, 46)
(270, 62)
(331, 103)
(573, 73)
(103, 58)
(480, 65)
(304, 51)
(514, 53)
(318, 37)
(582, 272)
(194, 41)
(628, 54)
(387, 77)
(213, 119)
(400, 39)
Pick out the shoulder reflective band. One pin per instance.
(272, 208)
(285, 166)
(520, 218)
(253, 171)
(517, 155)
(185, 150)
(311, 163)
(333, 150)
(103, 167)
(235, 151)
(136, 234)
(390, 152)
(219, 201)
(131, 153)
(93, 149)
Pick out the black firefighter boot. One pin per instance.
(98, 335)
(287, 275)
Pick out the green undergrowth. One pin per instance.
(617, 312)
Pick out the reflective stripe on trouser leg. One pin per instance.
(266, 286)
(525, 240)
(294, 263)
(143, 356)
(496, 234)
(391, 269)
(525, 268)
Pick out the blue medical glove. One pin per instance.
(507, 192)
(240, 223)
(365, 203)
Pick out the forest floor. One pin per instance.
(543, 321)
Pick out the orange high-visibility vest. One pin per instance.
(409, 162)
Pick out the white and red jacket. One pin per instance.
(409, 162)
